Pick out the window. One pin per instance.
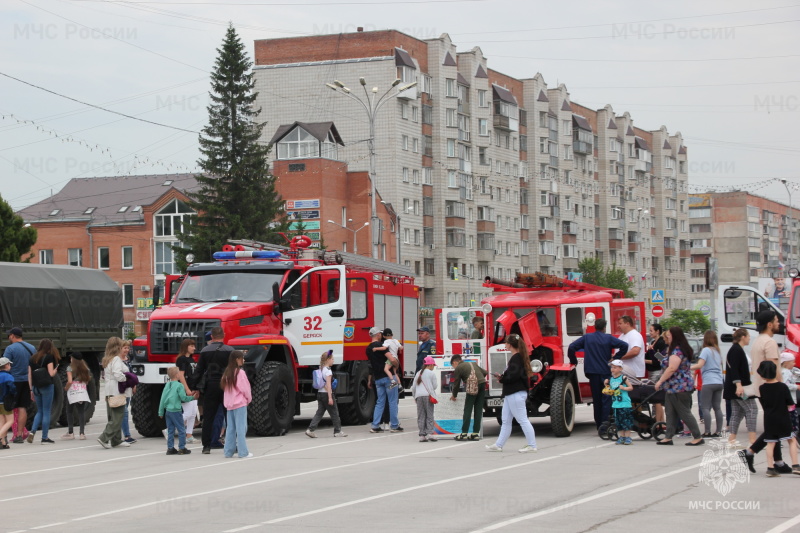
(451, 148)
(427, 114)
(455, 237)
(405, 142)
(127, 295)
(700, 212)
(416, 237)
(613, 145)
(415, 176)
(454, 209)
(415, 145)
(127, 257)
(451, 118)
(425, 84)
(123, 209)
(450, 88)
(414, 113)
(170, 220)
(406, 236)
(452, 179)
(46, 257)
(483, 127)
(404, 110)
(405, 175)
(298, 144)
(103, 261)
(416, 207)
(482, 102)
(75, 256)
(165, 257)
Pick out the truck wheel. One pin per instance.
(562, 406)
(56, 407)
(272, 409)
(361, 409)
(144, 410)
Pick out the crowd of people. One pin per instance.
(27, 374)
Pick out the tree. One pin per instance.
(15, 239)
(612, 278)
(690, 321)
(237, 197)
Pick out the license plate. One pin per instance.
(494, 402)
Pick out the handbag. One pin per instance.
(431, 399)
(117, 400)
(41, 376)
(750, 391)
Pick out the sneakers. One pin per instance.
(311, 434)
(376, 430)
(462, 436)
(493, 448)
(423, 438)
(103, 443)
(123, 444)
(206, 450)
(628, 441)
(18, 440)
(130, 440)
(189, 439)
(172, 451)
(528, 449)
(47, 441)
(431, 438)
(184, 451)
(30, 438)
(394, 385)
(796, 469)
(783, 469)
(82, 437)
(747, 458)
(340, 434)
(620, 441)
(771, 472)
(68, 436)
(248, 456)
(398, 429)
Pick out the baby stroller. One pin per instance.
(643, 395)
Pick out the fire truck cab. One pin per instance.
(284, 309)
(549, 313)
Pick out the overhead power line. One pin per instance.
(97, 106)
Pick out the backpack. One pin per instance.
(318, 381)
(472, 381)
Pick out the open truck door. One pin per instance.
(737, 307)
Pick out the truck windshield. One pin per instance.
(228, 287)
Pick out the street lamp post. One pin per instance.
(642, 212)
(371, 105)
(789, 191)
(355, 231)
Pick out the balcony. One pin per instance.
(463, 135)
(580, 147)
(464, 166)
(641, 166)
(408, 94)
(569, 228)
(505, 123)
(615, 244)
(669, 252)
(486, 256)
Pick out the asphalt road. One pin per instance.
(388, 482)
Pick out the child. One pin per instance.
(394, 348)
(326, 400)
(423, 388)
(621, 402)
(775, 401)
(236, 388)
(78, 377)
(787, 364)
(7, 387)
(170, 405)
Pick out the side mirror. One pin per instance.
(277, 306)
(156, 296)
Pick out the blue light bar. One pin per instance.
(222, 256)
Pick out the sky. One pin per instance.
(725, 74)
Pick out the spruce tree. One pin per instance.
(15, 239)
(237, 197)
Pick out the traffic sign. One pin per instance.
(658, 311)
(657, 296)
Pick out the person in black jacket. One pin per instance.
(212, 363)
(737, 376)
(515, 380)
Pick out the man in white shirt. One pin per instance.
(633, 361)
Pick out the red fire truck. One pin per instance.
(549, 313)
(283, 308)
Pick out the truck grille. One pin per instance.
(166, 335)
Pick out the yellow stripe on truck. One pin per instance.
(318, 343)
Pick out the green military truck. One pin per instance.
(77, 308)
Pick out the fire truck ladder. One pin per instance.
(539, 281)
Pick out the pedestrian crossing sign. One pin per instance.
(657, 296)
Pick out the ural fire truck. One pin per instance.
(549, 313)
(283, 308)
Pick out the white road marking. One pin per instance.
(587, 499)
(78, 465)
(49, 525)
(170, 472)
(409, 489)
(786, 525)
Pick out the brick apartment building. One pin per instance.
(751, 237)
(490, 173)
(125, 226)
